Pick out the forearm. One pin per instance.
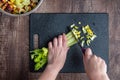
(49, 74)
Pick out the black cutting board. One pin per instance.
(50, 25)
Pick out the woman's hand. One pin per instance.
(95, 67)
(56, 58)
(57, 53)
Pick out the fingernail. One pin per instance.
(88, 51)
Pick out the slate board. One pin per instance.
(50, 25)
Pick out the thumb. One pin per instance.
(88, 54)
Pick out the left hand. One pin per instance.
(57, 53)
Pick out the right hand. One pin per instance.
(95, 67)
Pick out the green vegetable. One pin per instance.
(82, 38)
(79, 22)
(83, 29)
(88, 42)
(37, 66)
(39, 56)
(82, 43)
(93, 37)
(72, 25)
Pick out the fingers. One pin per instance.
(50, 45)
(55, 42)
(99, 59)
(64, 40)
(60, 40)
(94, 58)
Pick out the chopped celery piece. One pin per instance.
(88, 42)
(83, 29)
(72, 25)
(82, 43)
(93, 37)
(81, 38)
(89, 31)
(76, 27)
(79, 22)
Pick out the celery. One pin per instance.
(39, 56)
(69, 35)
(82, 43)
(37, 66)
(71, 41)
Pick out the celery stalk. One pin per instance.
(71, 41)
(41, 60)
(69, 35)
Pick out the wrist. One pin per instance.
(52, 69)
(100, 77)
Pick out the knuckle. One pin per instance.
(94, 56)
(55, 39)
(99, 58)
(60, 36)
(103, 61)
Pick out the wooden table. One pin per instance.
(14, 38)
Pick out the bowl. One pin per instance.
(23, 14)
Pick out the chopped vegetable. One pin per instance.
(82, 43)
(39, 56)
(18, 6)
(88, 30)
(88, 33)
(72, 25)
(93, 37)
(82, 38)
(76, 27)
(79, 22)
(88, 42)
(83, 29)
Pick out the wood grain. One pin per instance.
(14, 38)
